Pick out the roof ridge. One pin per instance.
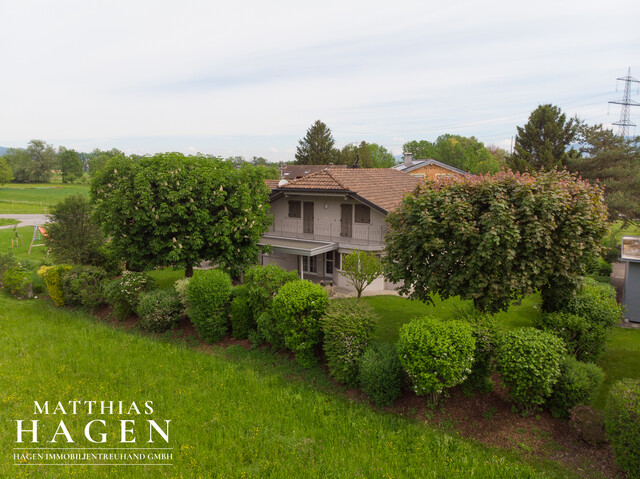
(333, 178)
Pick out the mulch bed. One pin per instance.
(485, 417)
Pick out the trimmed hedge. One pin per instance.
(585, 339)
(53, 278)
(622, 422)
(159, 310)
(348, 329)
(436, 354)
(380, 374)
(296, 310)
(209, 295)
(242, 322)
(579, 383)
(82, 286)
(596, 302)
(123, 293)
(529, 360)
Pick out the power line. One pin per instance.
(625, 114)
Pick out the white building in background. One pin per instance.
(319, 218)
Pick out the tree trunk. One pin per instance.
(188, 272)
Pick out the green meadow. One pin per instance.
(34, 197)
(233, 412)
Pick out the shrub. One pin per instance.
(268, 331)
(159, 310)
(589, 424)
(583, 338)
(241, 313)
(622, 422)
(485, 333)
(596, 302)
(181, 286)
(348, 329)
(82, 286)
(123, 293)
(7, 260)
(262, 284)
(380, 374)
(16, 281)
(53, 278)
(209, 293)
(529, 361)
(296, 310)
(579, 383)
(436, 354)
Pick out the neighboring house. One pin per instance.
(272, 184)
(432, 169)
(321, 217)
(292, 172)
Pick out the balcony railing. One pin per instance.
(335, 232)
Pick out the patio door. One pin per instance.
(307, 221)
(345, 221)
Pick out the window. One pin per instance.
(295, 209)
(363, 214)
(329, 262)
(310, 264)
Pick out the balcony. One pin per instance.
(357, 234)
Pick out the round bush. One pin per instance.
(7, 260)
(209, 294)
(159, 310)
(579, 383)
(622, 422)
(529, 361)
(82, 286)
(583, 338)
(53, 277)
(123, 293)
(348, 329)
(436, 354)
(241, 313)
(16, 281)
(380, 374)
(296, 310)
(596, 302)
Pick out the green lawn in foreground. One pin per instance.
(34, 197)
(234, 413)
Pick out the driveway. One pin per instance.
(26, 220)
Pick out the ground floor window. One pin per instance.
(329, 262)
(310, 264)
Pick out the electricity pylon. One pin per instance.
(625, 115)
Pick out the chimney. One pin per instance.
(408, 159)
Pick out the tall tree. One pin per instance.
(70, 164)
(421, 150)
(380, 156)
(20, 163)
(5, 172)
(99, 158)
(543, 143)
(43, 159)
(317, 147)
(170, 209)
(494, 239)
(350, 152)
(615, 162)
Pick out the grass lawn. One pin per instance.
(7, 221)
(20, 251)
(234, 413)
(165, 277)
(35, 197)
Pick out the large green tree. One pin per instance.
(615, 162)
(494, 239)
(178, 210)
(99, 158)
(350, 152)
(71, 164)
(544, 141)
(317, 147)
(380, 156)
(43, 160)
(5, 172)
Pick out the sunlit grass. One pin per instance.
(35, 198)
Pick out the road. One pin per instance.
(25, 220)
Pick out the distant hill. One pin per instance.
(3, 150)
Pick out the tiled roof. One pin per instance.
(429, 161)
(273, 184)
(382, 187)
(291, 172)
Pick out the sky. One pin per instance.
(248, 78)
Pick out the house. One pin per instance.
(292, 172)
(319, 218)
(432, 169)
